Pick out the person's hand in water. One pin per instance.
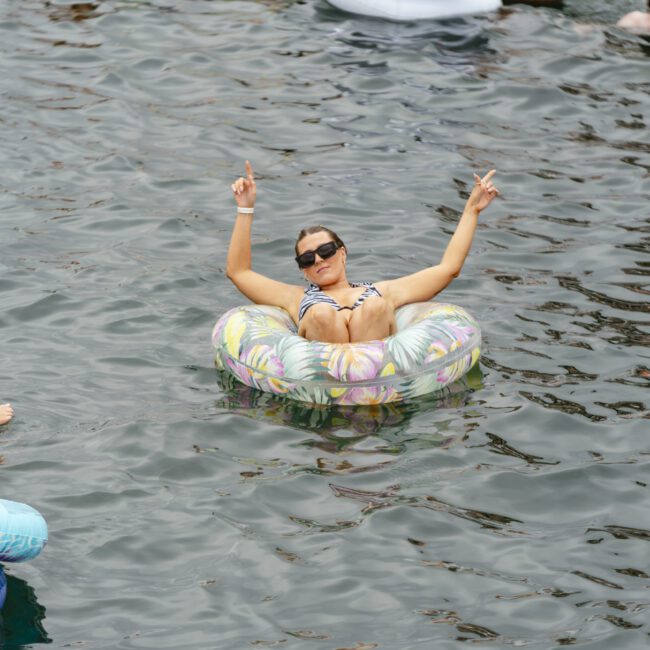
(6, 413)
(244, 189)
(483, 192)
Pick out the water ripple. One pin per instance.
(188, 511)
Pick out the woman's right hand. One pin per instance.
(243, 189)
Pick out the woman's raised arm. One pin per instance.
(256, 287)
(425, 284)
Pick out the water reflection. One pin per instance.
(452, 41)
(75, 12)
(21, 618)
(390, 418)
(391, 497)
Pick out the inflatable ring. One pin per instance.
(415, 9)
(3, 587)
(436, 344)
(23, 532)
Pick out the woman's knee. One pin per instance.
(319, 316)
(376, 307)
(374, 314)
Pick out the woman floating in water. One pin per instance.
(6, 413)
(332, 309)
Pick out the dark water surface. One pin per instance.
(511, 511)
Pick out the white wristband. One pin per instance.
(245, 210)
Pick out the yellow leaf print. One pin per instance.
(233, 332)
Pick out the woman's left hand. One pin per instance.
(484, 191)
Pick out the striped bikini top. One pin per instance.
(314, 295)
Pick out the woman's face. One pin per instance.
(322, 272)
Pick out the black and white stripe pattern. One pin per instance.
(313, 295)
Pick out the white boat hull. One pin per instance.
(415, 9)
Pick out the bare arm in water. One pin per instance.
(425, 284)
(256, 287)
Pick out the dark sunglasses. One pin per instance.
(325, 251)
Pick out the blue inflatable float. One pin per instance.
(23, 535)
(3, 587)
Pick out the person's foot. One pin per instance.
(637, 21)
(6, 413)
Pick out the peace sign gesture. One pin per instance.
(244, 190)
(484, 191)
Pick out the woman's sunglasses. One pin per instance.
(325, 251)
